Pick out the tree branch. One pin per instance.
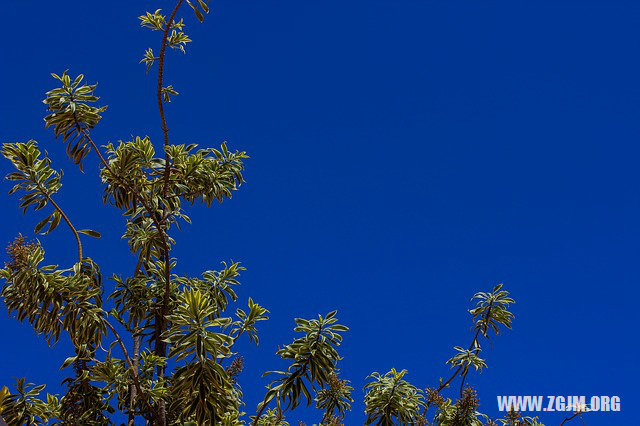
(134, 375)
(66, 219)
(568, 419)
(163, 49)
(160, 345)
(455, 373)
(163, 236)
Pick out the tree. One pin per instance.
(165, 353)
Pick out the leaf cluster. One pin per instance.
(72, 115)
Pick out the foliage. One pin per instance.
(335, 400)
(313, 361)
(166, 352)
(71, 114)
(24, 406)
(390, 399)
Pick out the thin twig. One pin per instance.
(568, 419)
(464, 377)
(455, 373)
(163, 49)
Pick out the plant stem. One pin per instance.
(134, 369)
(66, 219)
(160, 328)
(568, 419)
(163, 49)
(163, 237)
(455, 373)
(134, 375)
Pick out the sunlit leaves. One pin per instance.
(313, 360)
(217, 285)
(133, 298)
(55, 300)
(462, 412)
(491, 310)
(148, 59)
(167, 92)
(513, 418)
(392, 400)
(89, 232)
(4, 393)
(25, 406)
(200, 8)
(202, 387)
(466, 358)
(178, 40)
(130, 165)
(248, 320)
(202, 391)
(193, 329)
(271, 417)
(155, 21)
(71, 114)
(206, 175)
(53, 220)
(83, 403)
(33, 175)
(335, 400)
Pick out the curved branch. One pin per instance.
(163, 49)
(455, 373)
(160, 327)
(165, 132)
(259, 414)
(66, 219)
(163, 119)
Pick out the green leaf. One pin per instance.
(90, 232)
(67, 362)
(199, 15)
(204, 6)
(41, 224)
(54, 222)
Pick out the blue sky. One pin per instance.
(404, 155)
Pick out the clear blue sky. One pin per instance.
(404, 154)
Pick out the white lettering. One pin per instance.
(615, 403)
(550, 406)
(595, 403)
